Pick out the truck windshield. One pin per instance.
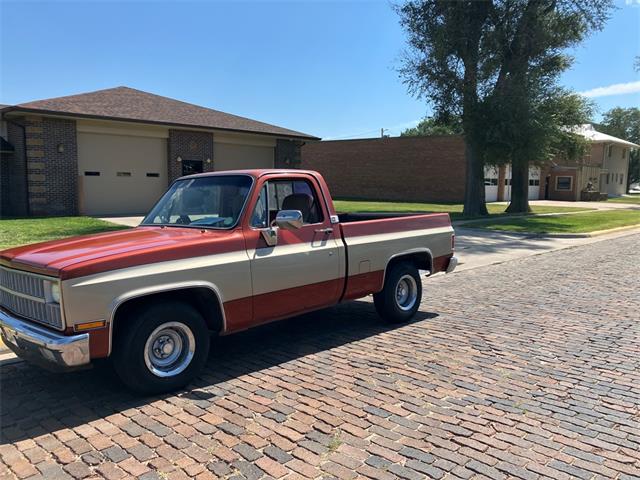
(209, 202)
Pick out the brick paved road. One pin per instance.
(528, 369)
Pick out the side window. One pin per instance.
(259, 216)
(294, 195)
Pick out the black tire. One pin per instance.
(169, 323)
(391, 307)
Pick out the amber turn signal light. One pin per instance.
(90, 325)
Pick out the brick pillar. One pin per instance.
(189, 145)
(52, 166)
(288, 154)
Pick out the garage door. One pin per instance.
(534, 183)
(119, 174)
(228, 156)
(491, 184)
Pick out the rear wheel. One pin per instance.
(161, 347)
(400, 297)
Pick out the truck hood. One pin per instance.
(90, 254)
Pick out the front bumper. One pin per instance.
(453, 263)
(42, 346)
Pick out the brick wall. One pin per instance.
(400, 168)
(189, 145)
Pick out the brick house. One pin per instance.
(114, 151)
(433, 169)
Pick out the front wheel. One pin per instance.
(161, 347)
(400, 297)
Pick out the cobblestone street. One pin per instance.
(527, 369)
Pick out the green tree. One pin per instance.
(496, 64)
(434, 126)
(530, 44)
(625, 123)
(444, 64)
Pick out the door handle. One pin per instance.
(326, 231)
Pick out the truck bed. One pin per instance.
(372, 240)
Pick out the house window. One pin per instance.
(191, 167)
(488, 182)
(507, 181)
(608, 178)
(564, 183)
(609, 150)
(621, 178)
(534, 182)
(624, 153)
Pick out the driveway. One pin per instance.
(127, 221)
(526, 369)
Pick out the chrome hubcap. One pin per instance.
(406, 292)
(169, 349)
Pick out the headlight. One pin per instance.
(54, 292)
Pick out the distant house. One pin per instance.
(433, 169)
(605, 167)
(114, 151)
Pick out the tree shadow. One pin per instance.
(34, 402)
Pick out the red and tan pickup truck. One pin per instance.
(219, 253)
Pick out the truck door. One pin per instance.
(303, 270)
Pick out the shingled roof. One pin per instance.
(129, 104)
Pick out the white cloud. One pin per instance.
(615, 89)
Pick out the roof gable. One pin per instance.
(588, 131)
(124, 103)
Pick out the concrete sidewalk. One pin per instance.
(477, 248)
(591, 205)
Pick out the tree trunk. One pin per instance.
(519, 188)
(474, 198)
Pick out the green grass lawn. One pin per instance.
(635, 199)
(31, 230)
(580, 223)
(454, 209)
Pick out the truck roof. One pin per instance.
(256, 173)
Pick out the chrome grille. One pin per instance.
(23, 294)
(21, 282)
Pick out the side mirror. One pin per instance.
(289, 219)
(270, 236)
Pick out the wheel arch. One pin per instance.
(203, 296)
(421, 257)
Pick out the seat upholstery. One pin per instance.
(299, 201)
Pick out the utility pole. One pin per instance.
(382, 132)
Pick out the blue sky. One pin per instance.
(325, 68)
